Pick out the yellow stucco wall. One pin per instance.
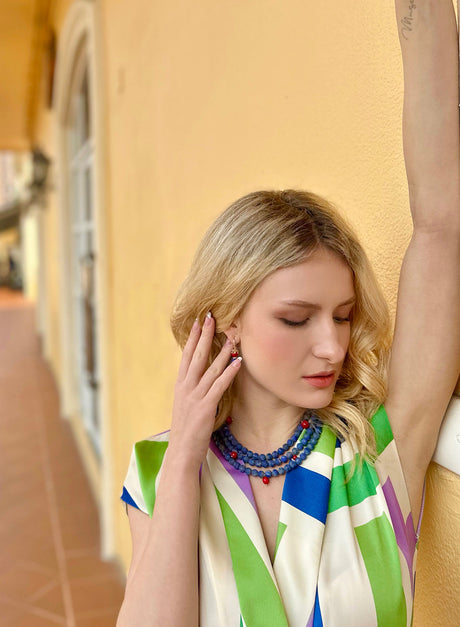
(205, 102)
(44, 137)
(438, 568)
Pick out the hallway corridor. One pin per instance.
(50, 570)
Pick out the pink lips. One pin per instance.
(321, 380)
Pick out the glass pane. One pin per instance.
(88, 197)
(85, 109)
(72, 140)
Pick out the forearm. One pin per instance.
(429, 44)
(163, 589)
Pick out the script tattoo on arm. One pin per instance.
(407, 21)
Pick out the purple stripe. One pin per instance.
(163, 432)
(422, 507)
(404, 531)
(239, 478)
(315, 620)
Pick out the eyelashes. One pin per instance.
(292, 323)
(301, 323)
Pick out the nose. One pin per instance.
(331, 341)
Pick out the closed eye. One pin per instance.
(342, 319)
(293, 323)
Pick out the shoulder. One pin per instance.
(144, 469)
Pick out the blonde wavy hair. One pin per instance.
(268, 230)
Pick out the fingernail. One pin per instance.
(196, 325)
(236, 362)
(208, 319)
(209, 315)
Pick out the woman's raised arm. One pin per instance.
(425, 359)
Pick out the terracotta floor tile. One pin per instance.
(21, 581)
(96, 594)
(108, 618)
(8, 613)
(41, 556)
(50, 599)
(73, 539)
(39, 568)
(15, 613)
(27, 548)
(31, 619)
(89, 566)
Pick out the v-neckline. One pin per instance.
(278, 514)
(244, 486)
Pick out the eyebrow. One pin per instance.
(305, 304)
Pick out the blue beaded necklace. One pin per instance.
(278, 462)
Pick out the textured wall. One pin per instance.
(205, 102)
(438, 568)
(212, 101)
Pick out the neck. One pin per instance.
(262, 425)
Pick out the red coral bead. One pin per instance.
(266, 480)
(234, 455)
(294, 457)
(229, 420)
(304, 424)
(234, 354)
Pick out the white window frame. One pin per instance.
(78, 40)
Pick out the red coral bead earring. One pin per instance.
(234, 354)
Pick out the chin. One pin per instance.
(319, 401)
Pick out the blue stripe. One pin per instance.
(127, 498)
(308, 491)
(317, 618)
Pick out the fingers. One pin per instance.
(196, 350)
(199, 360)
(215, 369)
(223, 381)
(188, 351)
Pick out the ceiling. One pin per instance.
(23, 37)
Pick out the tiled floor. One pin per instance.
(50, 570)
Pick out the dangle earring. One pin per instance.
(234, 354)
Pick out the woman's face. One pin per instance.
(294, 332)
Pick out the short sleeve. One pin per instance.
(144, 471)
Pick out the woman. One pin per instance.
(299, 502)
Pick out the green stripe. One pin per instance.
(382, 428)
(362, 484)
(280, 533)
(326, 442)
(149, 457)
(378, 546)
(259, 598)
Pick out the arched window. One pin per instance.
(80, 182)
(83, 248)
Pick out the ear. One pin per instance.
(232, 333)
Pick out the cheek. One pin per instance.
(272, 345)
(283, 346)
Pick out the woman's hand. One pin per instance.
(198, 391)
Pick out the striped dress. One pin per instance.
(345, 552)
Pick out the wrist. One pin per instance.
(183, 460)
